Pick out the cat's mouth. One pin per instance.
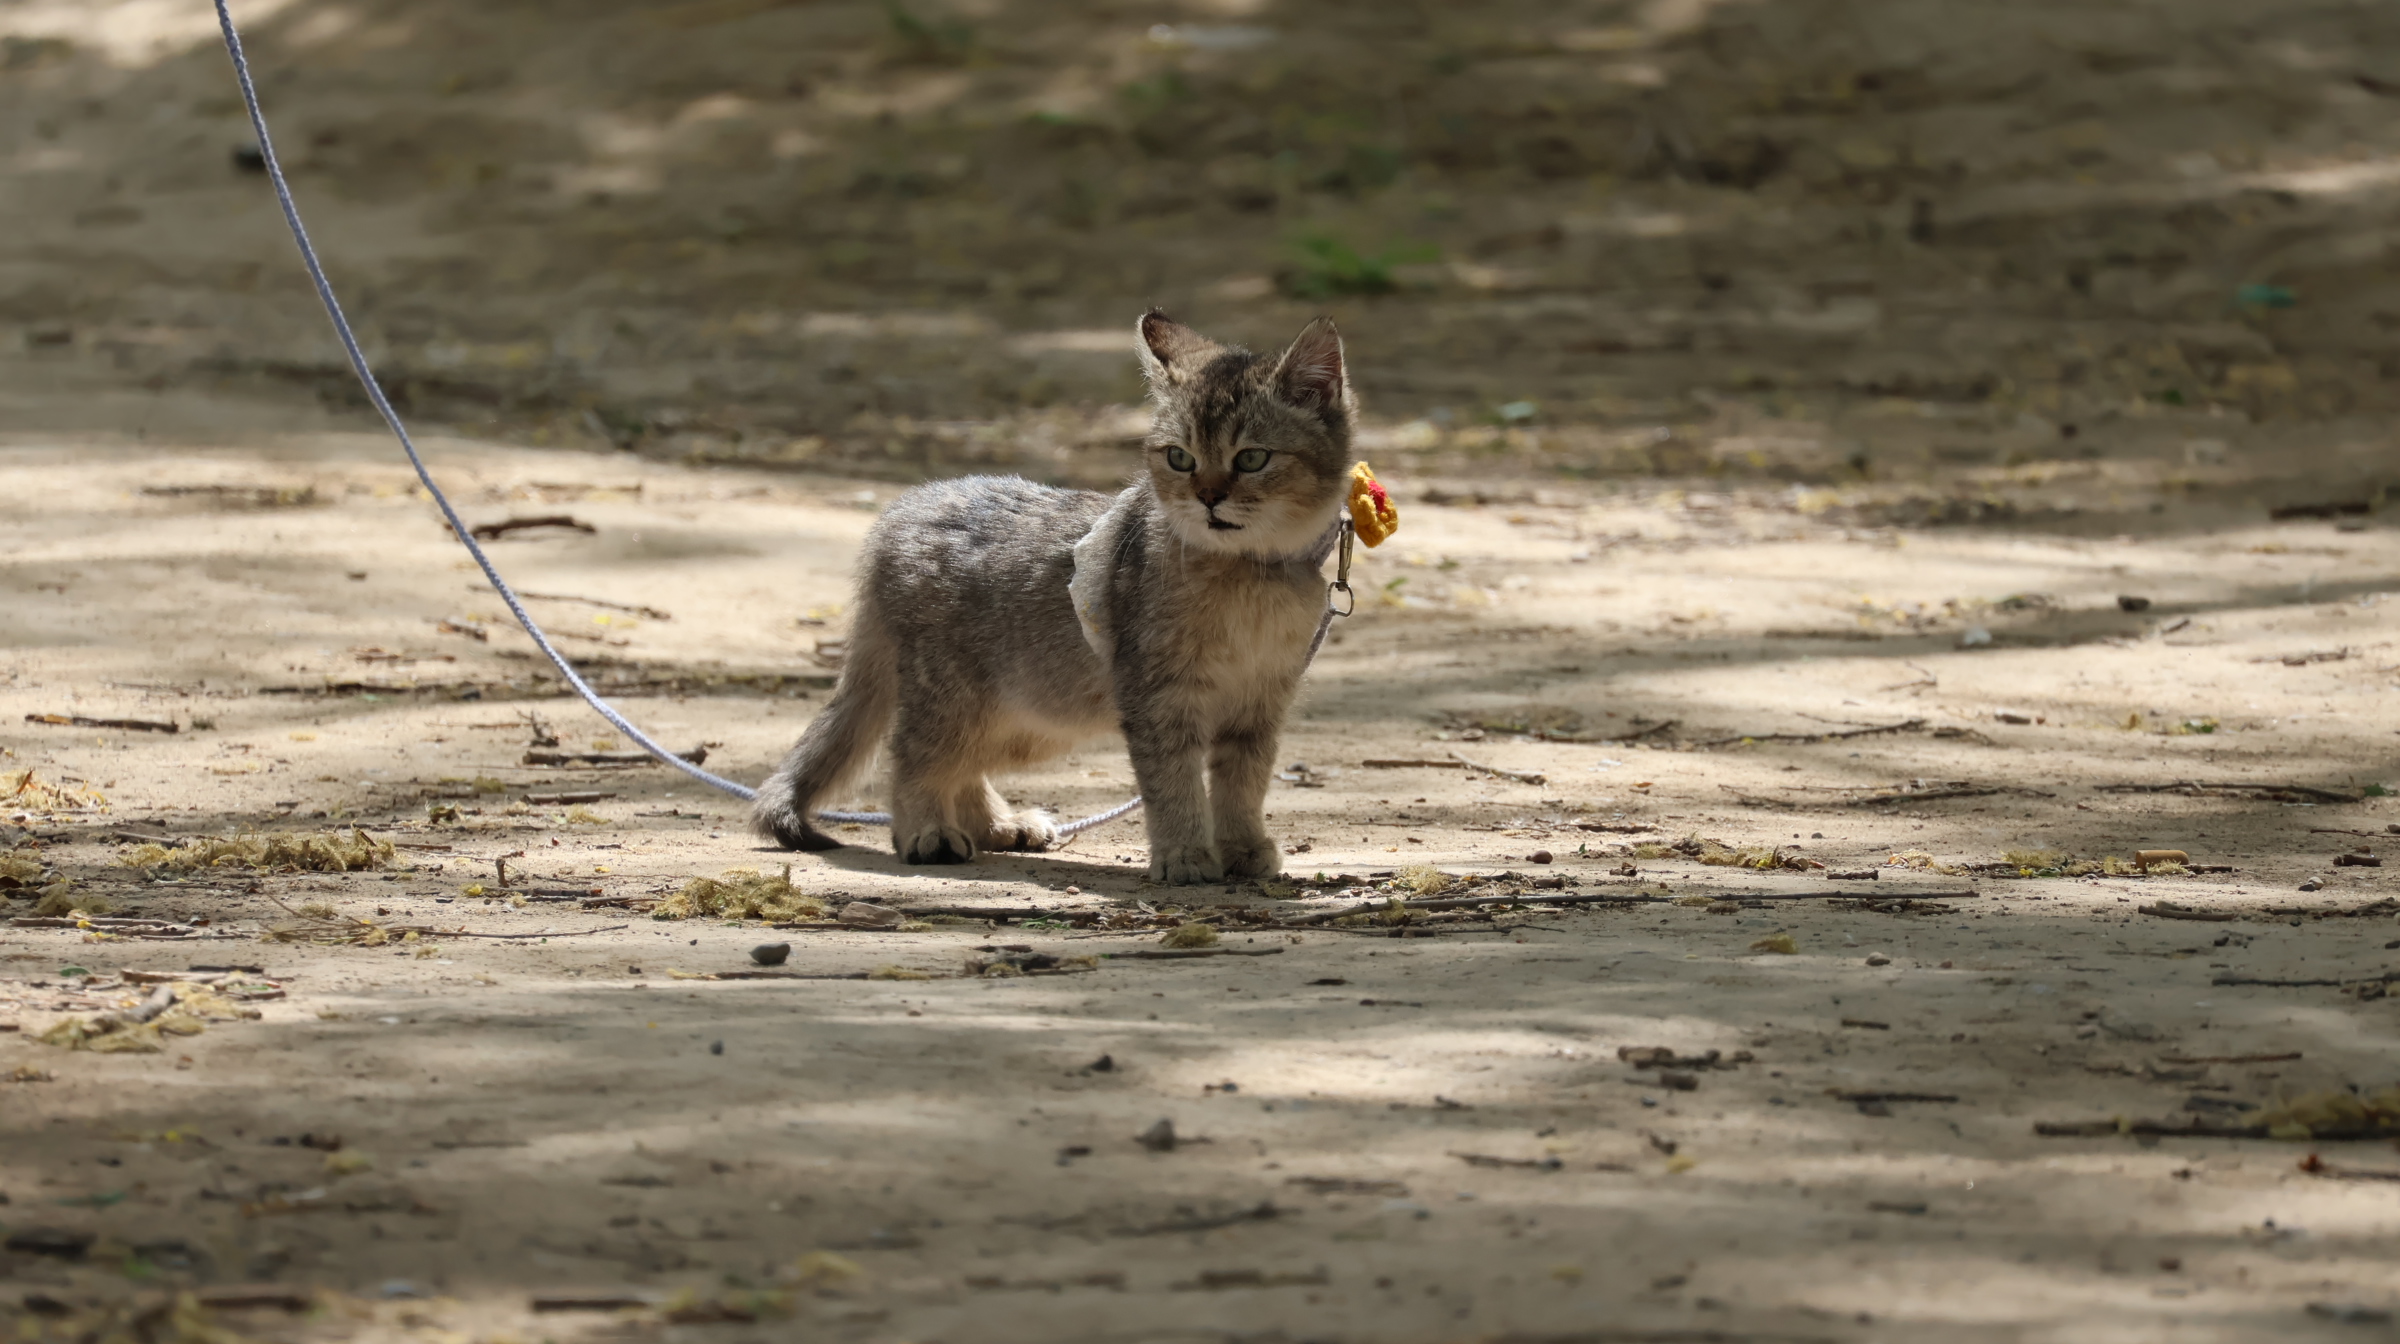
(1216, 524)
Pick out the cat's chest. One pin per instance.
(1248, 628)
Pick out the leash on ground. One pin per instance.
(458, 526)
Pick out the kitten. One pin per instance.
(1196, 593)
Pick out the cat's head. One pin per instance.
(1247, 453)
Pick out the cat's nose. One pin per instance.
(1211, 495)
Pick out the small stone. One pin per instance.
(1974, 638)
(1878, 959)
(868, 915)
(716, 1047)
(2129, 602)
(765, 954)
(1538, 856)
(1159, 1138)
(2312, 884)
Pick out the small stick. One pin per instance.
(1935, 795)
(487, 531)
(79, 721)
(500, 866)
(1889, 1096)
(2170, 910)
(635, 607)
(2330, 795)
(2386, 978)
(1905, 726)
(1412, 765)
(1659, 727)
(543, 756)
(1520, 776)
(2229, 1059)
(1183, 953)
(462, 933)
(1472, 902)
(1924, 678)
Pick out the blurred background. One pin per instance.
(1923, 259)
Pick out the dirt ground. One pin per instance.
(555, 1113)
(1943, 442)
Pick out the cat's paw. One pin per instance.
(1027, 832)
(1186, 865)
(1252, 858)
(937, 844)
(776, 819)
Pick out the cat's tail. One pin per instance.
(838, 744)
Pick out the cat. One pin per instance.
(1197, 591)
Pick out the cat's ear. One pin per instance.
(1312, 374)
(1171, 351)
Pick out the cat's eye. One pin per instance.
(1180, 460)
(1251, 459)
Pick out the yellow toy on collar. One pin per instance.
(1371, 513)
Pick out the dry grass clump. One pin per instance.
(1194, 934)
(18, 871)
(2318, 1112)
(1426, 881)
(194, 1008)
(21, 790)
(305, 852)
(742, 894)
(1394, 911)
(60, 898)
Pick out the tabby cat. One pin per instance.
(999, 622)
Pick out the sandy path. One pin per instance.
(542, 1114)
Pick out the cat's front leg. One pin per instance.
(1166, 751)
(1240, 764)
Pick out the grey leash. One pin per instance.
(458, 526)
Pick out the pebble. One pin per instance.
(768, 954)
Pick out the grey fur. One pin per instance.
(965, 643)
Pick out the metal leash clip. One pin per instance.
(1341, 579)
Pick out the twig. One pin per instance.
(1846, 894)
(2170, 910)
(1182, 953)
(2384, 978)
(2230, 1059)
(1473, 902)
(1936, 795)
(635, 607)
(542, 756)
(1653, 730)
(1262, 1213)
(462, 933)
(788, 975)
(1393, 764)
(1521, 776)
(487, 531)
(79, 721)
(2304, 659)
(1924, 678)
(2179, 785)
(1905, 726)
(2344, 830)
(1525, 1163)
(2317, 1166)
(2196, 1129)
(1889, 1096)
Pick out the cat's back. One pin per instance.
(977, 535)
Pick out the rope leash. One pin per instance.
(458, 526)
